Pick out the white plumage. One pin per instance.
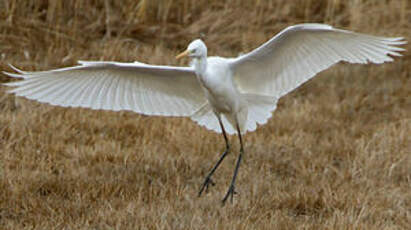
(146, 89)
(235, 93)
(299, 52)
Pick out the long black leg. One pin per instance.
(208, 180)
(231, 189)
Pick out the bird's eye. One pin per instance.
(193, 50)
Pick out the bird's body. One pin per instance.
(219, 88)
(230, 95)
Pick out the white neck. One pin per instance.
(200, 65)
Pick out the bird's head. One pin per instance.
(196, 49)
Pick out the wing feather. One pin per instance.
(110, 97)
(299, 52)
(65, 96)
(86, 96)
(128, 97)
(142, 88)
(76, 98)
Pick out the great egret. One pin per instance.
(228, 95)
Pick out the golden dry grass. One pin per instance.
(335, 155)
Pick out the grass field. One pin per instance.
(335, 155)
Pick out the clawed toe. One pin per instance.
(208, 181)
(230, 193)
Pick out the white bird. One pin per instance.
(228, 95)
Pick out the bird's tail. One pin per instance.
(257, 109)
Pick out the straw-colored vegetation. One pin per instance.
(335, 155)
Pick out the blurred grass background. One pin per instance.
(335, 155)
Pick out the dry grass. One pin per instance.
(335, 155)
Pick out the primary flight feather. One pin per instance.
(228, 95)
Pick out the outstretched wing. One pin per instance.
(299, 52)
(142, 88)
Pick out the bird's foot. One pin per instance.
(230, 193)
(206, 184)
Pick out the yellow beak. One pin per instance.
(183, 54)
